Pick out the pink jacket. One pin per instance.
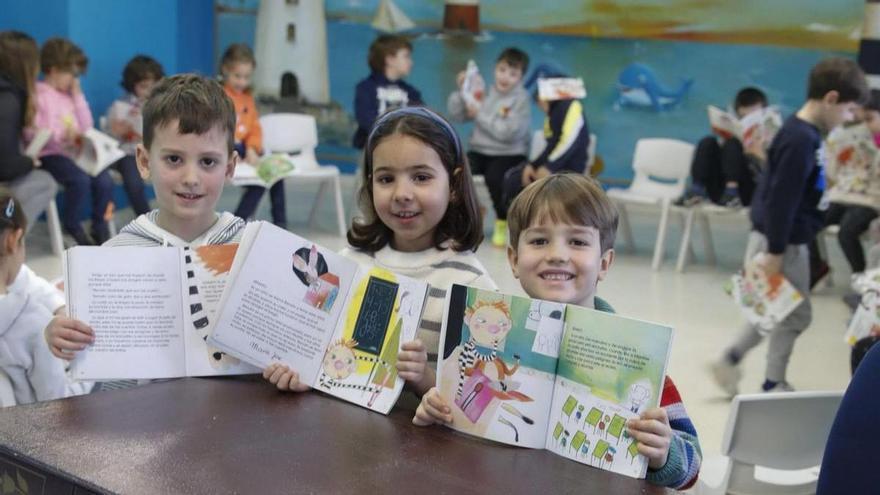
(56, 111)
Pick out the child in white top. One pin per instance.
(421, 220)
(27, 303)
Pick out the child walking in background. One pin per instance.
(390, 61)
(19, 66)
(27, 304)
(237, 66)
(787, 213)
(62, 109)
(562, 231)
(500, 139)
(126, 124)
(420, 220)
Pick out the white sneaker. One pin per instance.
(726, 375)
(781, 387)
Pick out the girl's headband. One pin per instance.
(420, 112)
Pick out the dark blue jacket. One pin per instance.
(376, 95)
(568, 136)
(13, 164)
(786, 204)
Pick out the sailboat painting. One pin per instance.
(390, 19)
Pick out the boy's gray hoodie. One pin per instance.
(501, 126)
(144, 232)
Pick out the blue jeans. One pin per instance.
(133, 184)
(77, 184)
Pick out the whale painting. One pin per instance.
(637, 85)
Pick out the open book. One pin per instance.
(548, 375)
(337, 324)
(265, 173)
(150, 308)
(853, 158)
(866, 320)
(473, 86)
(764, 301)
(98, 152)
(561, 88)
(764, 123)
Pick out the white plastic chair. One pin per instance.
(774, 443)
(661, 169)
(7, 395)
(297, 135)
(703, 212)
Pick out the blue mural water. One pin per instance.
(638, 85)
(718, 70)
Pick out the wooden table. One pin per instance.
(239, 435)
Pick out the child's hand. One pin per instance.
(459, 79)
(412, 365)
(75, 88)
(251, 156)
(472, 110)
(67, 335)
(528, 175)
(756, 147)
(432, 409)
(541, 172)
(284, 378)
(654, 435)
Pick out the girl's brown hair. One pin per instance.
(62, 54)
(11, 216)
(19, 64)
(461, 225)
(238, 53)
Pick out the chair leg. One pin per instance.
(684, 248)
(823, 253)
(708, 245)
(54, 225)
(340, 208)
(313, 213)
(626, 228)
(660, 244)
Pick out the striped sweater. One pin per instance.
(440, 268)
(144, 232)
(685, 456)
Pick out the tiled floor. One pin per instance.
(694, 303)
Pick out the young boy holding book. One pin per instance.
(188, 151)
(562, 230)
(787, 212)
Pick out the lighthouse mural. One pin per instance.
(869, 46)
(462, 15)
(292, 37)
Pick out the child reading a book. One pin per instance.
(500, 139)
(27, 303)
(237, 66)
(188, 152)
(20, 172)
(722, 170)
(125, 123)
(62, 108)
(390, 61)
(562, 231)
(787, 212)
(420, 220)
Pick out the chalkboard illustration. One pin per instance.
(311, 269)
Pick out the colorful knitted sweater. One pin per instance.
(684, 459)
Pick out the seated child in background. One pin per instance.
(568, 136)
(420, 220)
(188, 152)
(722, 171)
(565, 223)
(27, 303)
(237, 66)
(62, 109)
(500, 139)
(125, 123)
(390, 60)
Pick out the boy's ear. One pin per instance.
(831, 97)
(605, 263)
(230, 167)
(142, 157)
(511, 258)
